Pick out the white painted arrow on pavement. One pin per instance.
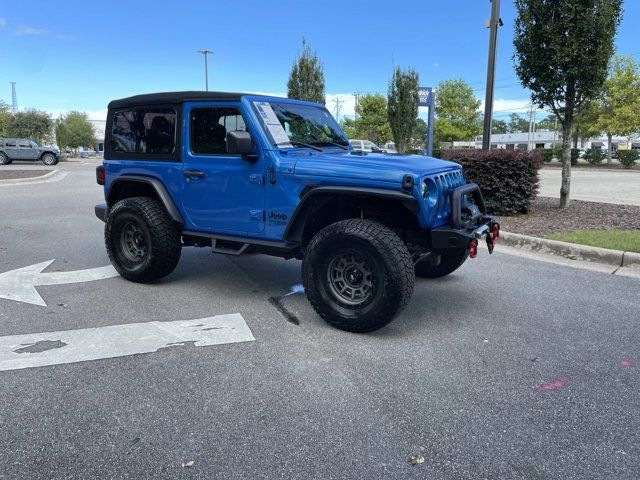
(19, 284)
(71, 346)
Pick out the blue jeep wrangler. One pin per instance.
(243, 173)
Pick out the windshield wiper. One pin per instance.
(293, 142)
(332, 143)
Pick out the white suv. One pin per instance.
(364, 146)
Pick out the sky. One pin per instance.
(79, 55)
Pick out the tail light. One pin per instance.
(495, 232)
(101, 176)
(473, 248)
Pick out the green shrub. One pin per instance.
(594, 156)
(546, 154)
(627, 157)
(508, 178)
(557, 153)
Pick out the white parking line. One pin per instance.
(71, 346)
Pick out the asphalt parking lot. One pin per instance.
(509, 368)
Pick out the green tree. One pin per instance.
(457, 112)
(419, 135)
(402, 106)
(348, 126)
(77, 131)
(585, 123)
(619, 106)
(517, 124)
(373, 121)
(306, 80)
(499, 126)
(5, 118)
(60, 131)
(31, 123)
(550, 122)
(562, 53)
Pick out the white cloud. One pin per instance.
(3, 22)
(436, 64)
(23, 30)
(510, 105)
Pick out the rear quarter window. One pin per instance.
(150, 133)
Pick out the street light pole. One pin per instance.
(494, 24)
(206, 68)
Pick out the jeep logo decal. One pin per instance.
(277, 217)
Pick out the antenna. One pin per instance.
(14, 105)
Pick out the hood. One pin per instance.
(372, 166)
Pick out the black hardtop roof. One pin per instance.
(175, 97)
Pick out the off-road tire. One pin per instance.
(49, 159)
(4, 159)
(159, 235)
(391, 274)
(450, 261)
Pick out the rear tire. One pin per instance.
(358, 275)
(142, 241)
(4, 159)
(450, 261)
(49, 159)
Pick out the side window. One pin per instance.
(147, 131)
(209, 127)
(24, 144)
(11, 143)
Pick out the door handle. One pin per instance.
(193, 173)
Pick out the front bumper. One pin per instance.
(461, 233)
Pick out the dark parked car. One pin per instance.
(25, 149)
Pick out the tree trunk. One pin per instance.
(609, 139)
(566, 160)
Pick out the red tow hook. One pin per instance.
(473, 248)
(495, 232)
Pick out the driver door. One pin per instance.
(221, 193)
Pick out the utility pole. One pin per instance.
(338, 102)
(494, 23)
(532, 126)
(357, 95)
(206, 68)
(14, 98)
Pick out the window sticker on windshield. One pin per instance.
(272, 123)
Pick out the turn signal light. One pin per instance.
(495, 233)
(473, 248)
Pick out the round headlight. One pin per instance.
(424, 189)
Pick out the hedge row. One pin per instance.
(508, 178)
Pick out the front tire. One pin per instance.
(358, 275)
(143, 243)
(49, 159)
(450, 261)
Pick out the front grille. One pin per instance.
(445, 182)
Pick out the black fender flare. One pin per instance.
(313, 198)
(159, 188)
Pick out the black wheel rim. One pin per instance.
(133, 243)
(350, 278)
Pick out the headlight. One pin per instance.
(424, 189)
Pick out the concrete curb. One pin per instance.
(572, 251)
(15, 181)
(631, 259)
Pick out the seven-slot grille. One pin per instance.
(445, 183)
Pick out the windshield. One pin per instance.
(308, 124)
(33, 144)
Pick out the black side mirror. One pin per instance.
(240, 143)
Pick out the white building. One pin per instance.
(547, 139)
